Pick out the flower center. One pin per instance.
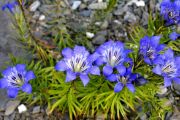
(113, 56)
(78, 63)
(169, 68)
(150, 53)
(15, 80)
(123, 80)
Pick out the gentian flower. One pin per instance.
(170, 10)
(174, 36)
(77, 62)
(16, 78)
(113, 55)
(123, 79)
(150, 48)
(168, 66)
(10, 6)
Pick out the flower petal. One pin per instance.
(27, 88)
(85, 79)
(157, 70)
(70, 76)
(7, 71)
(95, 70)
(130, 87)
(21, 68)
(167, 82)
(99, 61)
(67, 52)
(121, 69)
(118, 87)
(12, 92)
(112, 77)
(3, 83)
(107, 70)
(177, 80)
(61, 66)
(155, 40)
(29, 76)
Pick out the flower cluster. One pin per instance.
(10, 6)
(174, 36)
(170, 10)
(77, 62)
(16, 78)
(111, 55)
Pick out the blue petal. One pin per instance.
(167, 82)
(85, 79)
(67, 52)
(173, 36)
(29, 76)
(177, 80)
(112, 77)
(12, 92)
(81, 50)
(160, 47)
(7, 71)
(3, 83)
(118, 87)
(147, 60)
(70, 76)
(99, 61)
(93, 57)
(107, 70)
(95, 70)
(157, 70)
(169, 54)
(155, 41)
(121, 69)
(61, 66)
(21, 68)
(130, 87)
(27, 88)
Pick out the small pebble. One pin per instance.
(36, 109)
(75, 5)
(22, 108)
(89, 35)
(98, 6)
(33, 7)
(11, 106)
(42, 17)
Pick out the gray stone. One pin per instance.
(104, 25)
(36, 109)
(3, 100)
(98, 6)
(11, 106)
(85, 13)
(130, 17)
(33, 7)
(75, 5)
(120, 11)
(100, 39)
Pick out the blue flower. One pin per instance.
(174, 36)
(150, 48)
(77, 62)
(10, 6)
(170, 10)
(168, 66)
(113, 55)
(123, 79)
(16, 78)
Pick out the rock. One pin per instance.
(162, 91)
(98, 6)
(22, 108)
(130, 17)
(11, 106)
(120, 11)
(89, 35)
(104, 25)
(3, 100)
(42, 17)
(100, 39)
(85, 13)
(36, 15)
(33, 7)
(140, 3)
(75, 5)
(36, 109)
(83, 6)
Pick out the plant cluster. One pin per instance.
(118, 78)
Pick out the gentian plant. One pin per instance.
(16, 78)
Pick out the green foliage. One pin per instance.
(98, 96)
